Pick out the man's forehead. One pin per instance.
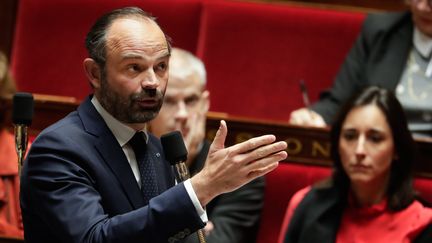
(177, 89)
(136, 31)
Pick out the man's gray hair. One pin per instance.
(184, 63)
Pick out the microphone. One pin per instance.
(22, 115)
(176, 153)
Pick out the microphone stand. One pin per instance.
(176, 153)
(182, 174)
(21, 139)
(22, 114)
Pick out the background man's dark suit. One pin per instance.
(235, 214)
(377, 58)
(87, 167)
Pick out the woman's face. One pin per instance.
(366, 146)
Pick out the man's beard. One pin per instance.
(126, 109)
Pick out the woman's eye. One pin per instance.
(349, 135)
(376, 138)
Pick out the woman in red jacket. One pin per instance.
(369, 197)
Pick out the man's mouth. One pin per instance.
(147, 103)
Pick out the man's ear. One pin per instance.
(206, 100)
(93, 72)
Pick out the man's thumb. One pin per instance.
(219, 139)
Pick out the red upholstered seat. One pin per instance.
(424, 188)
(256, 53)
(48, 48)
(281, 184)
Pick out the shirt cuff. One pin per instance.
(201, 212)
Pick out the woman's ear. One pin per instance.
(93, 72)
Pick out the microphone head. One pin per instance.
(22, 108)
(174, 147)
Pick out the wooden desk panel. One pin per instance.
(305, 144)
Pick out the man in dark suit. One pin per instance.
(233, 217)
(86, 178)
(393, 51)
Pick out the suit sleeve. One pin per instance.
(350, 79)
(61, 200)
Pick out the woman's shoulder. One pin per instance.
(298, 196)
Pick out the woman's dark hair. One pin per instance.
(400, 192)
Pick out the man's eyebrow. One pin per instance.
(131, 56)
(165, 55)
(128, 56)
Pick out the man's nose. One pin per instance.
(149, 80)
(182, 112)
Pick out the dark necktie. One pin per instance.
(147, 171)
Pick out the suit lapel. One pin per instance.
(114, 156)
(111, 152)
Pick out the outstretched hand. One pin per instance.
(227, 169)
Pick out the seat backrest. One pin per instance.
(281, 184)
(424, 188)
(48, 48)
(256, 54)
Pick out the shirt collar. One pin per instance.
(422, 43)
(121, 131)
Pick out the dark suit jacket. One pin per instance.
(236, 214)
(377, 58)
(77, 186)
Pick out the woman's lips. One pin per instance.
(359, 167)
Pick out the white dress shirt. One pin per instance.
(123, 134)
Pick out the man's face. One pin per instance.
(136, 72)
(185, 103)
(422, 15)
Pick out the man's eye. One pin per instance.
(191, 101)
(134, 68)
(169, 101)
(161, 66)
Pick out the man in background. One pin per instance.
(233, 217)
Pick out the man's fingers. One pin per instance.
(253, 143)
(264, 151)
(265, 161)
(262, 171)
(219, 140)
